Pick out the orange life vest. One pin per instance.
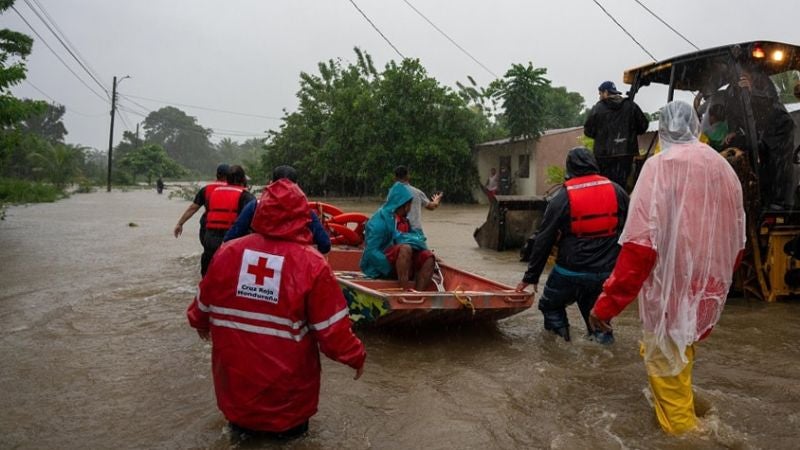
(210, 188)
(223, 207)
(593, 206)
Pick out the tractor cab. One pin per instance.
(745, 98)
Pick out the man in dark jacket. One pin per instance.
(585, 219)
(614, 123)
(774, 129)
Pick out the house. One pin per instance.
(526, 161)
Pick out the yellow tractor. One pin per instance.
(748, 96)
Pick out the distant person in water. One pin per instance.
(242, 226)
(159, 185)
(492, 184)
(393, 249)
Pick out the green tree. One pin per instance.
(49, 124)
(354, 124)
(564, 108)
(488, 120)
(14, 48)
(58, 163)
(182, 137)
(523, 91)
(152, 161)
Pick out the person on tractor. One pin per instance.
(774, 133)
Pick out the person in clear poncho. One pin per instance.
(682, 240)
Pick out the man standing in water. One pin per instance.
(588, 215)
(270, 303)
(614, 123)
(201, 200)
(224, 207)
(420, 199)
(682, 241)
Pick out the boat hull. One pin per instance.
(465, 298)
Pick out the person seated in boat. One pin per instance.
(392, 248)
(589, 213)
(243, 223)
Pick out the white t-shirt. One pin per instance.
(420, 200)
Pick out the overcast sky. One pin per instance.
(245, 56)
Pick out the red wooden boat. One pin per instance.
(456, 297)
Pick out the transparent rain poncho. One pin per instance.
(687, 206)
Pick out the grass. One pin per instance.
(14, 191)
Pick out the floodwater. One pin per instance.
(95, 352)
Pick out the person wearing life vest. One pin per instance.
(201, 200)
(270, 303)
(242, 225)
(224, 205)
(682, 242)
(584, 219)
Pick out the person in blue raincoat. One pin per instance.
(392, 249)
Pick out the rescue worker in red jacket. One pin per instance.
(584, 219)
(270, 303)
(224, 206)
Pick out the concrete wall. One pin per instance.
(550, 150)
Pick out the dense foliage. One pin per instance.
(151, 161)
(354, 124)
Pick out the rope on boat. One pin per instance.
(465, 301)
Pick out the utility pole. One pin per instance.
(111, 133)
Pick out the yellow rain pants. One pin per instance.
(673, 398)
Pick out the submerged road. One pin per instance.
(95, 352)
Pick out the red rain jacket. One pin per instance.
(271, 302)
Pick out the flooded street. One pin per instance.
(96, 352)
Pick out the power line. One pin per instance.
(100, 96)
(623, 29)
(124, 121)
(64, 35)
(211, 130)
(463, 50)
(376, 29)
(668, 25)
(63, 44)
(185, 105)
(72, 110)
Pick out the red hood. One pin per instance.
(282, 213)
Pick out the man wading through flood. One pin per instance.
(585, 217)
(683, 238)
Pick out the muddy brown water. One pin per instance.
(95, 352)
